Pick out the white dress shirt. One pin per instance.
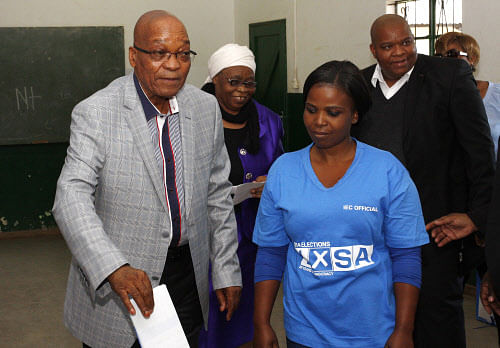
(387, 91)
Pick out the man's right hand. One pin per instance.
(264, 337)
(126, 281)
(450, 227)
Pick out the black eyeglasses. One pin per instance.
(237, 83)
(158, 56)
(453, 53)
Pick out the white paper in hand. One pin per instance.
(162, 328)
(242, 192)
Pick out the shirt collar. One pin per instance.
(377, 76)
(149, 109)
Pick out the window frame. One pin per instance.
(432, 36)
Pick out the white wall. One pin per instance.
(255, 11)
(335, 29)
(210, 24)
(480, 19)
(339, 29)
(325, 30)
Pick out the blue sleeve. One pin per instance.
(269, 230)
(270, 263)
(403, 225)
(406, 265)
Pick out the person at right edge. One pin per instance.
(457, 45)
(428, 112)
(490, 285)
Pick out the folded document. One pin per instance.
(162, 328)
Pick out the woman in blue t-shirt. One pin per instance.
(340, 222)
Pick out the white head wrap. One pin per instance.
(227, 56)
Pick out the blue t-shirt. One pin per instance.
(338, 289)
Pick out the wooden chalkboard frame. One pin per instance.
(46, 71)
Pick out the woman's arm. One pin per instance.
(265, 295)
(269, 267)
(406, 276)
(406, 304)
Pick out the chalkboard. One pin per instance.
(46, 71)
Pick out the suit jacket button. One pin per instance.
(155, 278)
(243, 152)
(164, 235)
(248, 176)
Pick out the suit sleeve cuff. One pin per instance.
(479, 217)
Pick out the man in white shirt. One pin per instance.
(428, 112)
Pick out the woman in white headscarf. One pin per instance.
(253, 134)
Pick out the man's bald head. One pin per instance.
(145, 21)
(385, 21)
(393, 46)
(160, 56)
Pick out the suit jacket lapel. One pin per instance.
(368, 73)
(186, 115)
(415, 84)
(142, 137)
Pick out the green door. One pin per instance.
(268, 43)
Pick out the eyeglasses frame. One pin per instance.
(237, 83)
(454, 55)
(167, 54)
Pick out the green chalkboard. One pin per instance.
(46, 71)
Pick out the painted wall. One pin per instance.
(210, 24)
(480, 19)
(335, 30)
(255, 11)
(322, 30)
(339, 29)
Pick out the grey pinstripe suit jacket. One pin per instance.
(110, 205)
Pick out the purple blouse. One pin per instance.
(240, 329)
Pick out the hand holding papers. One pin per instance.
(162, 328)
(242, 192)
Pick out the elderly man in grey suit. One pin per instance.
(143, 198)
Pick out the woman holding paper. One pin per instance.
(252, 133)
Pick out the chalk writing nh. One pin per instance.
(25, 100)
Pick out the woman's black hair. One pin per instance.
(346, 76)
